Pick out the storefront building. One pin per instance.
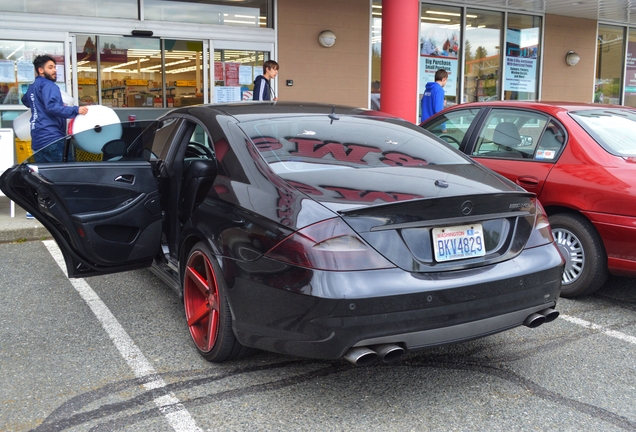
(143, 58)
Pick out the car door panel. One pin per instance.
(528, 174)
(103, 223)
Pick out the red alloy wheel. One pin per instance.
(201, 299)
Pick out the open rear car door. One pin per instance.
(104, 215)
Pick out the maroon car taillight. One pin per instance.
(328, 245)
(541, 232)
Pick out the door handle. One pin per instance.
(125, 178)
(527, 180)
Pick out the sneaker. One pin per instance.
(29, 216)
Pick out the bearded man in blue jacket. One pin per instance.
(433, 97)
(48, 112)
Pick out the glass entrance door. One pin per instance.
(139, 73)
(234, 73)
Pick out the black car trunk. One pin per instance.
(431, 218)
(437, 234)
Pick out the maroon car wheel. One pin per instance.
(206, 308)
(585, 259)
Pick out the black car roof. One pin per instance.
(250, 110)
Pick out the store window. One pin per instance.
(249, 13)
(254, 13)
(234, 74)
(16, 67)
(629, 97)
(440, 43)
(88, 8)
(139, 72)
(482, 56)
(521, 77)
(609, 67)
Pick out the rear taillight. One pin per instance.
(328, 245)
(541, 232)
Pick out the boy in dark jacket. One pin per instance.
(433, 97)
(262, 87)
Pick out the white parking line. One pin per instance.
(176, 414)
(608, 332)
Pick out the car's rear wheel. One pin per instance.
(585, 259)
(207, 310)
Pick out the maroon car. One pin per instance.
(580, 160)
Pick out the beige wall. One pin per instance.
(560, 81)
(339, 74)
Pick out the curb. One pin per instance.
(24, 234)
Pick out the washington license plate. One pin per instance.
(458, 242)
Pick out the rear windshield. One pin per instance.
(323, 142)
(613, 129)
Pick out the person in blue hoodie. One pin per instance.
(433, 97)
(48, 112)
(262, 84)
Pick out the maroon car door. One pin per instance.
(521, 145)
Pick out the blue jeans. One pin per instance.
(52, 153)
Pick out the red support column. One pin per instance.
(400, 44)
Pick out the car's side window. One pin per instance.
(211, 143)
(113, 142)
(199, 145)
(453, 126)
(552, 140)
(510, 134)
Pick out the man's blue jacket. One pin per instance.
(432, 100)
(48, 112)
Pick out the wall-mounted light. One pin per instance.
(327, 38)
(572, 58)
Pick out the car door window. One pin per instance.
(141, 140)
(453, 126)
(199, 145)
(212, 143)
(551, 143)
(510, 134)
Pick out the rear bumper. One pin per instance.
(459, 332)
(323, 314)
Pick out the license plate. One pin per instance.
(458, 242)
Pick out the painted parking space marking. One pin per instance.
(601, 329)
(169, 405)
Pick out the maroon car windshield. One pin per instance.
(317, 142)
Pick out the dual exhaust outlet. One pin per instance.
(536, 319)
(364, 356)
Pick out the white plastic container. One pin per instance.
(99, 126)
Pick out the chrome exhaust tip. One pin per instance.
(534, 320)
(549, 314)
(388, 352)
(361, 356)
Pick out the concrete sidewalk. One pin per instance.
(18, 228)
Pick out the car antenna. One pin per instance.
(333, 116)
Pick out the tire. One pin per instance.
(207, 310)
(585, 258)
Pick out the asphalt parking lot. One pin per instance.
(113, 353)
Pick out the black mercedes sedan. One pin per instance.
(304, 229)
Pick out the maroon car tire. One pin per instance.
(207, 310)
(585, 258)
